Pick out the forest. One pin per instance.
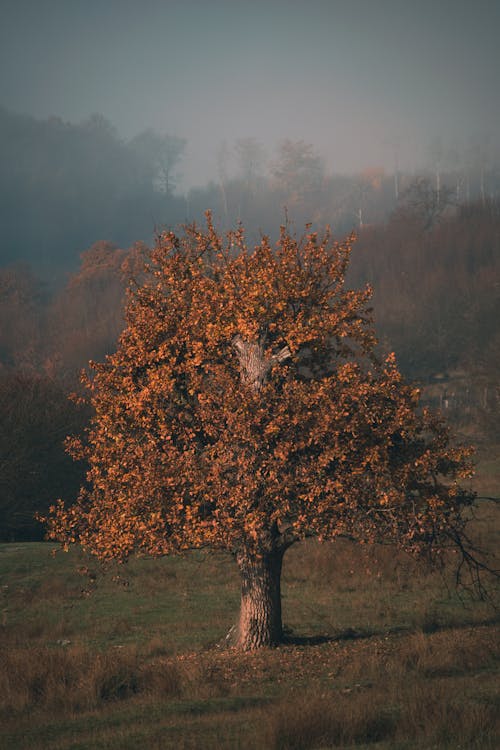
(80, 205)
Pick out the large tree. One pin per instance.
(245, 409)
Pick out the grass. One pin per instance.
(381, 654)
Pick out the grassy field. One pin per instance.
(381, 654)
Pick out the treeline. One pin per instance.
(64, 185)
(436, 299)
(437, 289)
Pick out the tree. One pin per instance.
(160, 154)
(245, 409)
(86, 317)
(424, 204)
(298, 170)
(22, 309)
(251, 158)
(222, 159)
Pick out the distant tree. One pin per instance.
(251, 157)
(298, 170)
(22, 312)
(245, 409)
(87, 315)
(366, 188)
(437, 157)
(161, 154)
(424, 203)
(98, 126)
(222, 159)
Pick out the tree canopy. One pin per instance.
(245, 408)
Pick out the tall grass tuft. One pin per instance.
(424, 714)
(317, 720)
(70, 679)
(66, 678)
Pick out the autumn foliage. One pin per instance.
(245, 409)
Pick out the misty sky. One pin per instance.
(350, 76)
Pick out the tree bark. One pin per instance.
(255, 366)
(260, 614)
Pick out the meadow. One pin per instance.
(381, 652)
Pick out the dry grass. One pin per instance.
(64, 679)
(401, 690)
(68, 679)
(423, 716)
(318, 720)
(382, 655)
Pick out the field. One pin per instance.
(380, 654)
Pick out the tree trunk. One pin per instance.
(260, 615)
(255, 366)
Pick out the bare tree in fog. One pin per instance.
(162, 154)
(251, 156)
(298, 170)
(222, 158)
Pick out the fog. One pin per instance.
(370, 84)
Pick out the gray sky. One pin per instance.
(350, 76)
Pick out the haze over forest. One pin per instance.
(88, 91)
(365, 82)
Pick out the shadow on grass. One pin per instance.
(351, 634)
